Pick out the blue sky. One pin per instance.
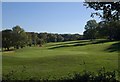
(52, 17)
(43, 0)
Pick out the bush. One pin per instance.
(101, 76)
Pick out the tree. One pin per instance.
(113, 30)
(40, 42)
(19, 37)
(29, 39)
(110, 10)
(110, 14)
(66, 37)
(102, 30)
(59, 38)
(7, 39)
(90, 29)
(51, 38)
(43, 36)
(34, 38)
(75, 37)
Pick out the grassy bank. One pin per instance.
(55, 60)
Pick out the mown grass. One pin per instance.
(56, 60)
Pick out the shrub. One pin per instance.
(101, 76)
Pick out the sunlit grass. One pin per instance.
(61, 58)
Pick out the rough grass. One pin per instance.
(55, 60)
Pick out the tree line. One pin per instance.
(18, 38)
(104, 30)
(109, 26)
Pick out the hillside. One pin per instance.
(61, 58)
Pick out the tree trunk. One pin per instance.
(21, 46)
(8, 49)
(17, 47)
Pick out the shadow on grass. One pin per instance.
(80, 43)
(101, 41)
(71, 42)
(114, 47)
(62, 46)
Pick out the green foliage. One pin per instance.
(110, 10)
(19, 37)
(60, 38)
(52, 38)
(90, 29)
(101, 76)
(43, 36)
(109, 30)
(110, 13)
(7, 39)
(29, 39)
(40, 42)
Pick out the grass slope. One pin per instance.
(61, 58)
